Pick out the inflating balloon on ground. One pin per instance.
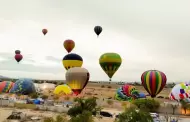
(62, 90)
(5, 86)
(180, 92)
(23, 86)
(127, 93)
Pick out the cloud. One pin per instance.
(53, 59)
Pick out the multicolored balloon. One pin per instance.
(127, 93)
(5, 86)
(69, 45)
(110, 63)
(63, 90)
(18, 57)
(77, 78)
(44, 31)
(98, 30)
(23, 86)
(180, 92)
(72, 60)
(153, 81)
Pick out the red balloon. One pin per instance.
(18, 57)
(44, 31)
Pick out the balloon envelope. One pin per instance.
(97, 30)
(72, 60)
(77, 78)
(110, 63)
(5, 86)
(180, 92)
(44, 31)
(18, 57)
(17, 52)
(23, 86)
(127, 93)
(69, 45)
(153, 81)
(62, 89)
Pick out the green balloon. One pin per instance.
(110, 63)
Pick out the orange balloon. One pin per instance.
(69, 45)
(44, 31)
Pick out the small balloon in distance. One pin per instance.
(44, 31)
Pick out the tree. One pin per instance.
(85, 116)
(134, 115)
(44, 97)
(174, 106)
(82, 105)
(34, 95)
(149, 105)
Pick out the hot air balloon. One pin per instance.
(69, 45)
(17, 52)
(62, 89)
(18, 57)
(97, 30)
(127, 93)
(153, 81)
(72, 60)
(77, 78)
(44, 31)
(110, 63)
(180, 92)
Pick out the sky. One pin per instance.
(147, 34)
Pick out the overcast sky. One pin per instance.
(148, 34)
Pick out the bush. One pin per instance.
(85, 116)
(84, 105)
(110, 102)
(109, 87)
(102, 86)
(149, 105)
(134, 115)
(34, 95)
(44, 97)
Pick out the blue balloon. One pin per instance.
(23, 86)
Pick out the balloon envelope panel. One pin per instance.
(23, 86)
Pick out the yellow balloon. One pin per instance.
(72, 60)
(62, 89)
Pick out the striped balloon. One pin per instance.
(153, 81)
